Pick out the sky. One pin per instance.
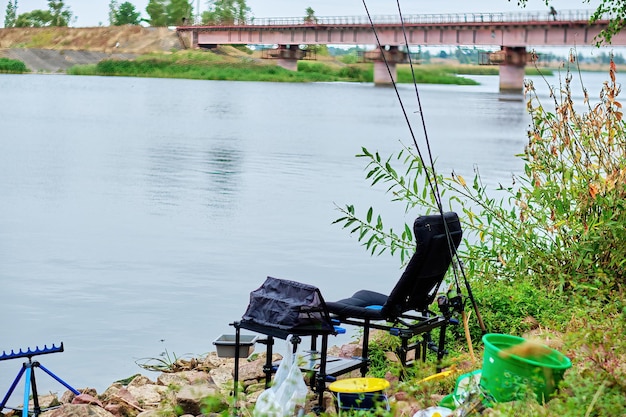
(95, 12)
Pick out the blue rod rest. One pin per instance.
(28, 370)
(30, 353)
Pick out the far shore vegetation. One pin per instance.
(12, 66)
(202, 65)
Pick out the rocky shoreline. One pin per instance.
(195, 387)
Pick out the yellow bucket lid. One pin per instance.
(354, 385)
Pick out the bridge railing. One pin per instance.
(451, 18)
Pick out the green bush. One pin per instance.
(559, 226)
(316, 67)
(432, 75)
(357, 73)
(12, 66)
(349, 59)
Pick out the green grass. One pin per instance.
(202, 65)
(433, 74)
(590, 332)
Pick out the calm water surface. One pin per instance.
(136, 215)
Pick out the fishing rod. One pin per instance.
(432, 182)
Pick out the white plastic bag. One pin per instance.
(288, 391)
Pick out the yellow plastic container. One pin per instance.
(360, 393)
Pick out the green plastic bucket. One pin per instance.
(508, 377)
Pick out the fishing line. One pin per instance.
(451, 246)
(421, 112)
(404, 112)
(432, 182)
(453, 250)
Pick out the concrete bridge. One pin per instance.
(512, 33)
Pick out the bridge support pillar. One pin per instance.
(392, 55)
(512, 69)
(287, 56)
(381, 73)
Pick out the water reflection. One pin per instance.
(224, 170)
(168, 165)
(179, 174)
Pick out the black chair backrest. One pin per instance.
(417, 287)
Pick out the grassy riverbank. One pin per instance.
(223, 63)
(228, 66)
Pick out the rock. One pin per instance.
(252, 396)
(123, 402)
(67, 397)
(223, 376)
(118, 410)
(90, 391)
(79, 410)
(334, 350)
(392, 357)
(189, 398)
(183, 378)
(46, 401)
(256, 387)
(252, 370)
(351, 350)
(111, 391)
(86, 399)
(152, 413)
(329, 403)
(213, 361)
(249, 382)
(140, 380)
(149, 395)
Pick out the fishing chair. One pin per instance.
(405, 311)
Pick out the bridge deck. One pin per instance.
(425, 19)
(524, 29)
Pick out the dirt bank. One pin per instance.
(56, 49)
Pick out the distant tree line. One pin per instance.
(159, 13)
(177, 12)
(123, 14)
(228, 12)
(56, 15)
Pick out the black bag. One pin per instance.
(288, 305)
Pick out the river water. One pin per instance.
(137, 215)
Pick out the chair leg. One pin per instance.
(321, 376)
(402, 352)
(424, 346)
(267, 368)
(442, 346)
(365, 355)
